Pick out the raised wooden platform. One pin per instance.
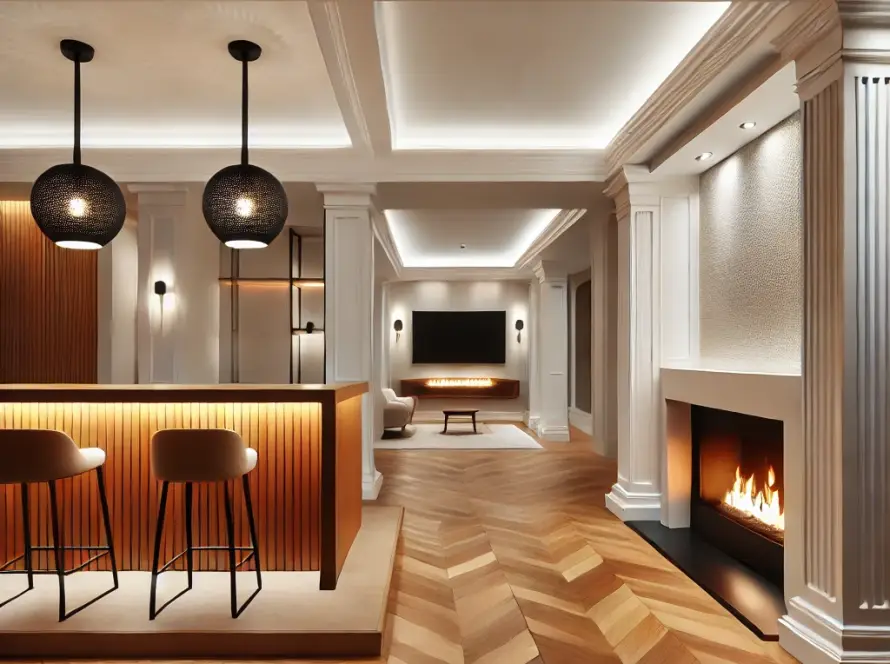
(290, 617)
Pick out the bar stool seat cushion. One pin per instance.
(200, 455)
(43, 455)
(251, 458)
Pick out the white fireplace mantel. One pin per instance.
(771, 392)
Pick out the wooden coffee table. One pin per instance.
(463, 414)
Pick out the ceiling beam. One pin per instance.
(738, 93)
(739, 26)
(347, 37)
(343, 165)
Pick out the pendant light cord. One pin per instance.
(244, 113)
(77, 111)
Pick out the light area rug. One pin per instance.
(460, 437)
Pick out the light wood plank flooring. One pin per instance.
(509, 557)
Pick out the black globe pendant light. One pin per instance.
(245, 206)
(77, 206)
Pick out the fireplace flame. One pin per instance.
(459, 382)
(763, 506)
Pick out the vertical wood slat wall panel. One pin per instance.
(286, 503)
(48, 305)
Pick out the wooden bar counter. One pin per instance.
(306, 487)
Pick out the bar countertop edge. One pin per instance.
(331, 393)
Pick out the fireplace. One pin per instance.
(737, 487)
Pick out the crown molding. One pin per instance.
(384, 236)
(727, 39)
(348, 195)
(550, 271)
(560, 224)
(336, 165)
(463, 274)
(635, 185)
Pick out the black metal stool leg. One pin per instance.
(254, 542)
(26, 527)
(188, 532)
(157, 552)
(57, 547)
(106, 519)
(230, 534)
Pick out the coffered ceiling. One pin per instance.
(481, 93)
(528, 75)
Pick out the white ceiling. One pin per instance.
(162, 75)
(520, 75)
(493, 238)
(499, 93)
(767, 106)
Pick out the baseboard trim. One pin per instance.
(558, 433)
(371, 487)
(813, 636)
(633, 506)
(581, 420)
(481, 416)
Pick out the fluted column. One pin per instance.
(837, 566)
(657, 319)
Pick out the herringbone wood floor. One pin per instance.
(509, 557)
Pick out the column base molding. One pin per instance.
(371, 486)
(633, 506)
(556, 433)
(532, 421)
(814, 637)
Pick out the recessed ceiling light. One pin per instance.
(704, 156)
(747, 125)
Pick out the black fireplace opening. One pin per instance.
(737, 488)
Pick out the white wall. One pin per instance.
(178, 344)
(750, 251)
(118, 282)
(509, 296)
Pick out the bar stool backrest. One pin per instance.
(37, 455)
(197, 455)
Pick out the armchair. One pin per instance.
(398, 411)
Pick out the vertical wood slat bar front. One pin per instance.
(289, 532)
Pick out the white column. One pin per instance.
(552, 351)
(837, 564)
(657, 316)
(534, 407)
(179, 341)
(349, 306)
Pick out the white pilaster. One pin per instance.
(177, 342)
(837, 576)
(657, 307)
(349, 306)
(534, 406)
(551, 351)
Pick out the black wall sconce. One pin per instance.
(398, 327)
(161, 291)
(519, 325)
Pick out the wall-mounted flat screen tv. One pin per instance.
(459, 337)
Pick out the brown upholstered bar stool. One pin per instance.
(203, 455)
(31, 456)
